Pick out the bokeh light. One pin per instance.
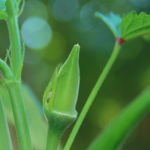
(33, 56)
(65, 10)
(36, 33)
(34, 8)
(87, 15)
(56, 51)
(141, 3)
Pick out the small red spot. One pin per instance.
(120, 41)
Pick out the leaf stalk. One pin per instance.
(92, 96)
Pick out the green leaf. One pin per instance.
(5, 70)
(115, 134)
(37, 124)
(5, 142)
(134, 25)
(112, 20)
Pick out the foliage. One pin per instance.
(112, 20)
(134, 25)
(60, 97)
(128, 27)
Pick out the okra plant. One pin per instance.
(61, 94)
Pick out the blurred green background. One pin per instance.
(50, 28)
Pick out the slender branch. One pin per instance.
(122, 126)
(5, 142)
(14, 86)
(92, 96)
(15, 41)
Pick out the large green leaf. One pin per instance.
(113, 136)
(5, 142)
(134, 25)
(112, 20)
(37, 123)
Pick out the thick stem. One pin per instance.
(53, 138)
(14, 87)
(14, 37)
(58, 122)
(92, 96)
(15, 93)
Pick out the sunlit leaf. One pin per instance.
(115, 134)
(37, 124)
(5, 142)
(112, 20)
(134, 25)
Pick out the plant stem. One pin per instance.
(58, 122)
(92, 96)
(14, 37)
(5, 142)
(53, 138)
(122, 126)
(15, 93)
(14, 86)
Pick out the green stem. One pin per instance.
(92, 96)
(118, 130)
(14, 86)
(58, 122)
(14, 37)
(15, 93)
(5, 142)
(53, 138)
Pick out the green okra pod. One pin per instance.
(60, 108)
